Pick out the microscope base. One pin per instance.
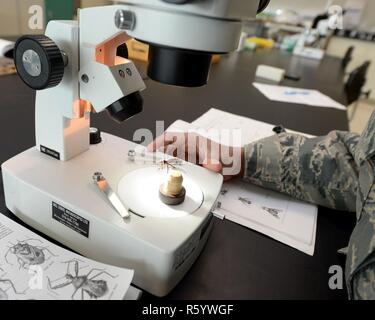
(60, 200)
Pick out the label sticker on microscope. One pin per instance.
(70, 219)
(50, 152)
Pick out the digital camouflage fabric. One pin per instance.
(335, 171)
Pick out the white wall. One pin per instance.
(368, 19)
(14, 15)
(363, 51)
(9, 22)
(304, 7)
(311, 8)
(24, 16)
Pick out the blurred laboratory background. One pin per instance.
(341, 28)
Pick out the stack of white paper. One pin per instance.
(299, 96)
(277, 216)
(34, 268)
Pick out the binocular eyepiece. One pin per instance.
(126, 107)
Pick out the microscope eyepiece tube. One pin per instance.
(126, 107)
(179, 67)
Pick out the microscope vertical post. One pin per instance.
(62, 120)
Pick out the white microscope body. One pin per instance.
(50, 186)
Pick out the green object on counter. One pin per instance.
(59, 9)
(288, 44)
(250, 46)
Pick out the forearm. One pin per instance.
(320, 171)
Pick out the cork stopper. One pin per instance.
(173, 186)
(172, 191)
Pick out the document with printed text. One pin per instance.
(298, 96)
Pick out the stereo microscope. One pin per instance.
(84, 189)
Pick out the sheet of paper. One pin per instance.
(354, 10)
(277, 216)
(34, 268)
(6, 48)
(214, 121)
(299, 96)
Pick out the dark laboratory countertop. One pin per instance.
(237, 263)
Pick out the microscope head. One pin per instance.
(184, 34)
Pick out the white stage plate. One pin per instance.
(139, 190)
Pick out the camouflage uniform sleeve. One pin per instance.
(363, 284)
(321, 170)
(360, 262)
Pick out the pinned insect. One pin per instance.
(153, 159)
(3, 292)
(170, 164)
(27, 254)
(93, 288)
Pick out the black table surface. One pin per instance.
(237, 263)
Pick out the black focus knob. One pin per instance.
(95, 136)
(39, 61)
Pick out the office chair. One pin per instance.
(347, 58)
(354, 86)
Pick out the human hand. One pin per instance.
(199, 150)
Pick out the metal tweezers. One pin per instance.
(113, 198)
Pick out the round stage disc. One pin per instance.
(139, 190)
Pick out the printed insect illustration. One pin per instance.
(3, 292)
(223, 192)
(274, 212)
(27, 254)
(93, 288)
(245, 200)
